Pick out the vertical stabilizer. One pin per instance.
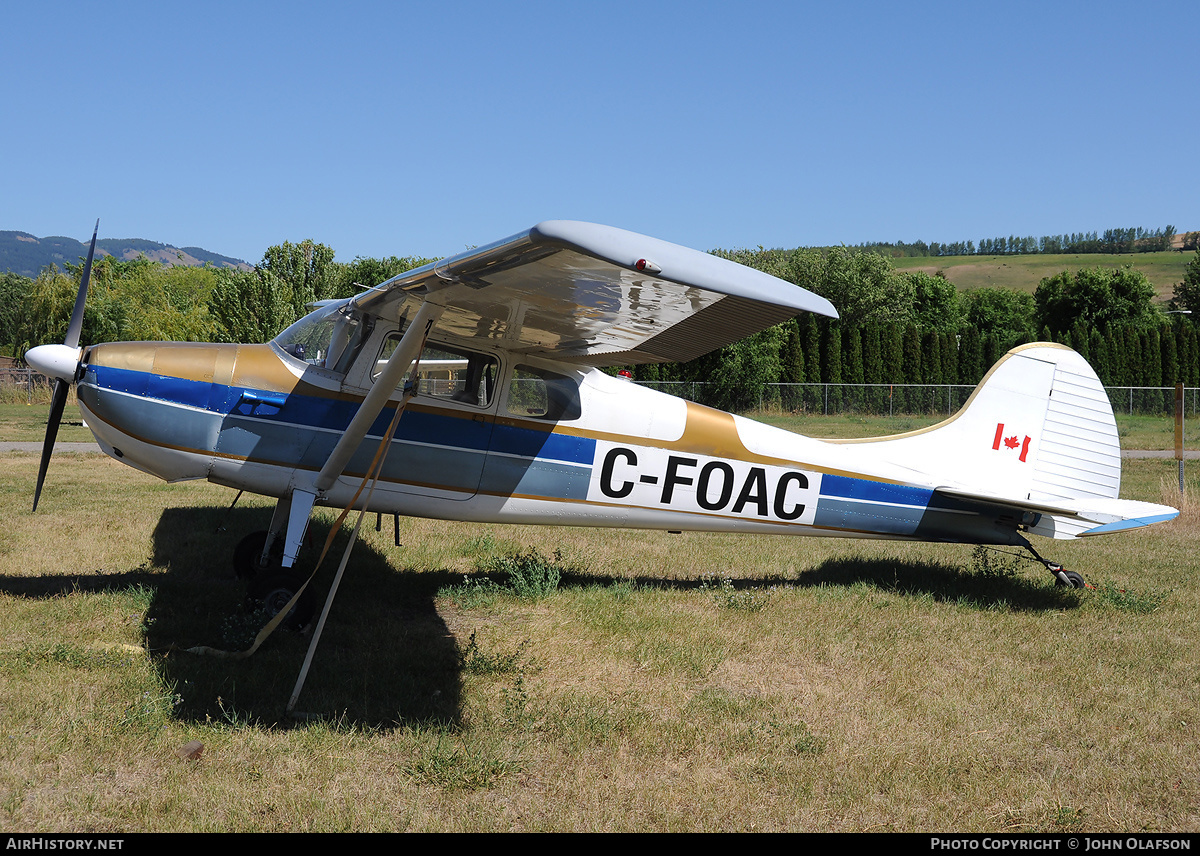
(1039, 427)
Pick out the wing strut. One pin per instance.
(301, 500)
(410, 347)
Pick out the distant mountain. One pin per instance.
(25, 254)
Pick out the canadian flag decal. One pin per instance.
(1011, 442)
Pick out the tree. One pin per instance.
(831, 360)
(862, 286)
(1187, 293)
(254, 306)
(361, 273)
(935, 302)
(1095, 297)
(49, 303)
(14, 295)
(872, 357)
(134, 300)
(305, 268)
(1001, 313)
(970, 356)
(853, 371)
(735, 374)
(251, 306)
(791, 355)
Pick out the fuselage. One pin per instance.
(538, 442)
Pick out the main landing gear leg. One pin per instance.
(266, 559)
(1062, 576)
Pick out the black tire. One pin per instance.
(247, 556)
(274, 591)
(1074, 579)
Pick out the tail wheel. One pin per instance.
(1069, 578)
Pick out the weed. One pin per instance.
(990, 565)
(151, 710)
(239, 630)
(483, 543)
(516, 702)
(530, 575)
(472, 592)
(1128, 600)
(728, 596)
(231, 716)
(1068, 819)
(476, 661)
(457, 769)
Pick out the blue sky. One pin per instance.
(424, 128)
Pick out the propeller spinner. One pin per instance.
(62, 363)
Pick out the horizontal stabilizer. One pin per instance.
(1133, 515)
(1075, 518)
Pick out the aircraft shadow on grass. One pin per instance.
(387, 657)
(943, 581)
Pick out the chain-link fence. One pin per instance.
(24, 386)
(885, 399)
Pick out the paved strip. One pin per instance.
(58, 447)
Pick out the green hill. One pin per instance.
(26, 254)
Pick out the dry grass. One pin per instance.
(1024, 273)
(671, 682)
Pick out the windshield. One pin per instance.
(329, 337)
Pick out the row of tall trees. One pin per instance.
(1137, 239)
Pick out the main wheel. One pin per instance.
(247, 555)
(274, 591)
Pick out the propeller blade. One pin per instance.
(61, 387)
(76, 325)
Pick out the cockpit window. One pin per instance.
(541, 394)
(330, 337)
(448, 373)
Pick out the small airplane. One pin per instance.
(493, 357)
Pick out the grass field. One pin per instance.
(1023, 273)
(617, 680)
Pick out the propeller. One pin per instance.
(62, 363)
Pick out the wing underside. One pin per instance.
(595, 295)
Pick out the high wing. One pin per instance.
(594, 295)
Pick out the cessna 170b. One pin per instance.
(493, 358)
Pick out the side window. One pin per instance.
(448, 373)
(542, 394)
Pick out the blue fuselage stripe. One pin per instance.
(296, 411)
(443, 448)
